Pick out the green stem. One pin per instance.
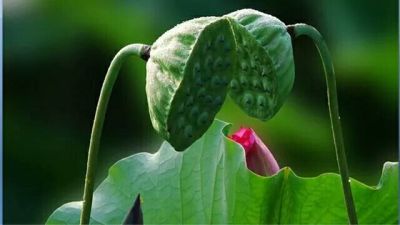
(109, 80)
(309, 31)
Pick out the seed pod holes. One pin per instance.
(196, 63)
(201, 45)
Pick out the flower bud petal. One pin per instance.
(259, 158)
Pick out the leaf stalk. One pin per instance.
(140, 50)
(301, 29)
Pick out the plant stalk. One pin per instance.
(297, 30)
(109, 81)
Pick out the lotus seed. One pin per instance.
(202, 118)
(189, 101)
(188, 132)
(202, 93)
(218, 63)
(181, 122)
(209, 44)
(218, 101)
(261, 101)
(221, 38)
(216, 81)
(255, 83)
(227, 63)
(266, 85)
(248, 99)
(197, 67)
(187, 91)
(181, 108)
(208, 99)
(225, 80)
(243, 81)
(199, 82)
(235, 85)
(239, 50)
(243, 65)
(244, 42)
(227, 47)
(264, 72)
(194, 111)
(209, 61)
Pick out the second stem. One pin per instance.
(105, 93)
(311, 32)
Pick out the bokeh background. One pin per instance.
(56, 54)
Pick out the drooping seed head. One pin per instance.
(194, 65)
(264, 51)
(188, 74)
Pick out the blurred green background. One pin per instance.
(56, 54)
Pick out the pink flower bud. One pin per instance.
(259, 158)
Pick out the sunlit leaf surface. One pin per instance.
(210, 184)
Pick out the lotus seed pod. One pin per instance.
(265, 58)
(188, 74)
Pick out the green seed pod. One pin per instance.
(188, 74)
(265, 63)
(193, 66)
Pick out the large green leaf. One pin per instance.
(210, 184)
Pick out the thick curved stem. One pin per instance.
(109, 80)
(309, 31)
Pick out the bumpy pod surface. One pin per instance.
(265, 73)
(188, 74)
(194, 65)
